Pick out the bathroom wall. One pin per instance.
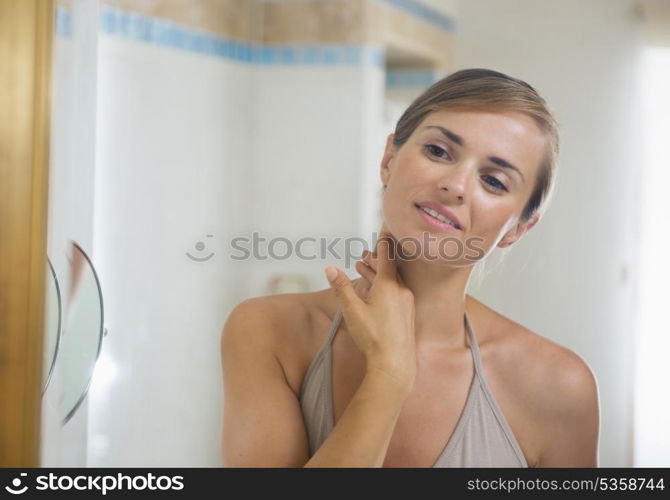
(571, 278)
(172, 179)
(652, 343)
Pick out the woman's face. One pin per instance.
(481, 166)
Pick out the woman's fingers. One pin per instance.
(367, 272)
(386, 268)
(381, 321)
(370, 259)
(372, 263)
(362, 287)
(343, 289)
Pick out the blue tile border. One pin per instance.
(125, 24)
(432, 16)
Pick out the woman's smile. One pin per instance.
(435, 220)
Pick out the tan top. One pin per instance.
(481, 438)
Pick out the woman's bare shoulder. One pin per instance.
(545, 368)
(292, 325)
(550, 388)
(279, 314)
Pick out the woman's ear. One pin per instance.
(521, 228)
(389, 153)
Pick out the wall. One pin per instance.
(570, 278)
(172, 154)
(652, 343)
(309, 151)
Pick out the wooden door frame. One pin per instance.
(26, 36)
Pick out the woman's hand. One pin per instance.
(367, 268)
(381, 322)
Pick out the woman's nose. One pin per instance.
(455, 180)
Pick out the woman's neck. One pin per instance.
(440, 301)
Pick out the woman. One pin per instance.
(419, 373)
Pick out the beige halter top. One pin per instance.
(481, 438)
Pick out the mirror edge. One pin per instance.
(100, 335)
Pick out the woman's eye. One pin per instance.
(437, 151)
(496, 184)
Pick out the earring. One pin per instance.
(384, 186)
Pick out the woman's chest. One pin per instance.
(433, 412)
(430, 413)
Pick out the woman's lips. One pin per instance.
(435, 223)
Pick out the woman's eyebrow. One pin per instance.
(456, 138)
(504, 163)
(459, 140)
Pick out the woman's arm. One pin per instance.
(573, 416)
(362, 435)
(262, 420)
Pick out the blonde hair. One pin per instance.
(488, 90)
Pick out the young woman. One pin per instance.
(400, 367)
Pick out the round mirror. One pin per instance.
(52, 325)
(82, 331)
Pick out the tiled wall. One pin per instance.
(173, 168)
(419, 32)
(229, 18)
(158, 31)
(401, 34)
(305, 21)
(405, 25)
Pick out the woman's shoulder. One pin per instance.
(292, 325)
(552, 375)
(277, 317)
